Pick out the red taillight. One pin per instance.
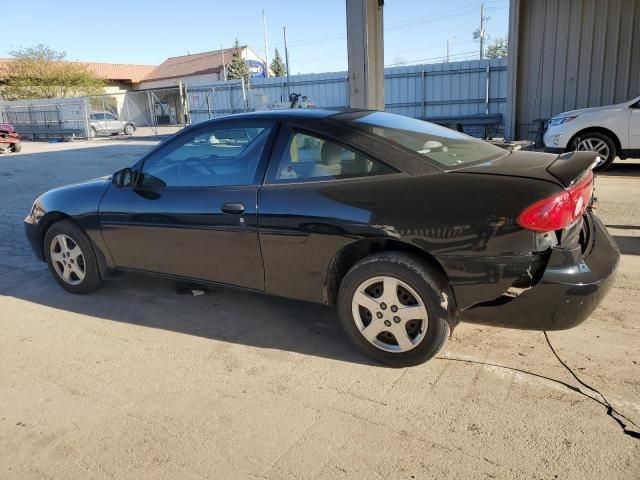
(559, 211)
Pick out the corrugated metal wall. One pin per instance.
(421, 91)
(446, 89)
(574, 54)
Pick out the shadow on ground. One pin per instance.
(622, 168)
(221, 314)
(628, 245)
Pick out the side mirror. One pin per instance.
(123, 178)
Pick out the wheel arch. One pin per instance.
(352, 253)
(46, 222)
(54, 217)
(601, 130)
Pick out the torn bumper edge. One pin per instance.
(570, 289)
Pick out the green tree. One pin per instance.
(498, 49)
(277, 65)
(42, 72)
(237, 69)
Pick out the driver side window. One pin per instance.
(213, 156)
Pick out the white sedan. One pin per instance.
(611, 131)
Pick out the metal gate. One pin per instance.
(33, 119)
(206, 102)
(143, 108)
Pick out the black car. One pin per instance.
(408, 227)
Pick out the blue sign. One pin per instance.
(256, 68)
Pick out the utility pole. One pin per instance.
(266, 45)
(482, 32)
(224, 67)
(286, 59)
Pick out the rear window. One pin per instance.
(442, 145)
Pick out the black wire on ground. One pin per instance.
(611, 411)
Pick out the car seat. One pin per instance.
(330, 161)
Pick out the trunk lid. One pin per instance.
(563, 169)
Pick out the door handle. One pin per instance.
(233, 208)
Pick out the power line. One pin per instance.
(440, 57)
(432, 47)
(403, 23)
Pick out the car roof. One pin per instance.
(295, 112)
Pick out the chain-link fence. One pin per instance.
(144, 112)
(212, 101)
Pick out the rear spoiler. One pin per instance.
(570, 167)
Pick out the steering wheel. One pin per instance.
(193, 160)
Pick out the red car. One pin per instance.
(9, 138)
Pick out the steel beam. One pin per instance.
(365, 45)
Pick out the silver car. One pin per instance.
(106, 123)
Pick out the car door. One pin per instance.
(319, 196)
(192, 211)
(98, 122)
(112, 123)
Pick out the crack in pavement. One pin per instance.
(611, 411)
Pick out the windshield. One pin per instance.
(442, 145)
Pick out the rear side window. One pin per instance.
(308, 158)
(442, 145)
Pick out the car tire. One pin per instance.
(597, 142)
(16, 147)
(129, 129)
(71, 258)
(413, 284)
(92, 132)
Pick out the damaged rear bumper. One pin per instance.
(573, 284)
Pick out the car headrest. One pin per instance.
(330, 154)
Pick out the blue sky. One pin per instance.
(146, 31)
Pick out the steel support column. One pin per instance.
(365, 45)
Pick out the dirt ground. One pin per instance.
(137, 381)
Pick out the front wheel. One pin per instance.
(599, 143)
(395, 308)
(16, 147)
(129, 129)
(71, 258)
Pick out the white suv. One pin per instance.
(613, 130)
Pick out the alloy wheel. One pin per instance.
(389, 314)
(595, 145)
(67, 259)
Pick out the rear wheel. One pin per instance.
(600, 143)
(129, 129)
(395, 308)
(16, 147)
(92, 132)
(71, 258)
